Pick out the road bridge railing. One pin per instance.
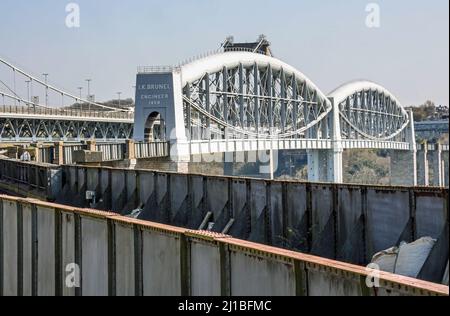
(157, 149)
(115, 255)
(14, 110)
(238, 145)
(61, 153)
(44, 180)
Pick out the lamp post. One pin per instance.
(119, 94)
(89, 92)
(28, 89)
(46, 88)
(81, 96)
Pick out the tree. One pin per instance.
(424, 111)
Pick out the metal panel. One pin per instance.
(46, 251)
(27, 249)
(68, 252)
(161, 264)
(253, 275)
(125, 260)
(205, 269)
(94, 268)
(10, 250)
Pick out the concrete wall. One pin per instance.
(122, 256)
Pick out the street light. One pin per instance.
(119, 94)
(46, 88)
(28, 89)
(89, 92)
(81, 97)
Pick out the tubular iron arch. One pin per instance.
(250, 95)
(368, 110)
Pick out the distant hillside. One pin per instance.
(429, 112)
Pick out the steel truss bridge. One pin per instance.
(231, 100)
(27, 119)
(244, 100)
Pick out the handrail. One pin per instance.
(19, 109)
(168, 69)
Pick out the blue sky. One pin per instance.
(325, 39)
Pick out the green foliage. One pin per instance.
(366, 167)
(424, 111)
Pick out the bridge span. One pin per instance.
(28, 119)
(26, 124)
(232, 101)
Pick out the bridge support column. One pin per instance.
(59, 153)
(436, 160)
(269, 168)
(404, 163)
(91, 145)
(445, 167)
(131, 152)
(325, 165)
(423, 170)
(403, 168)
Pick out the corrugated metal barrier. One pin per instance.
(41, 242)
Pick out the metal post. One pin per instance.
(256, 93)
(119, 94)
(14, 83)
(241, 95)
(28, 90)
(208, 106)
(81, 96)
(46, 88)
(89, 92)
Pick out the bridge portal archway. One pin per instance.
(155, 129)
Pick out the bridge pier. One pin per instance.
(423, 170)
(403, 168)
(404, 163)
(437, 164)
(325, 165)
(445, 168)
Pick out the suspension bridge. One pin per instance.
(27, 119)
